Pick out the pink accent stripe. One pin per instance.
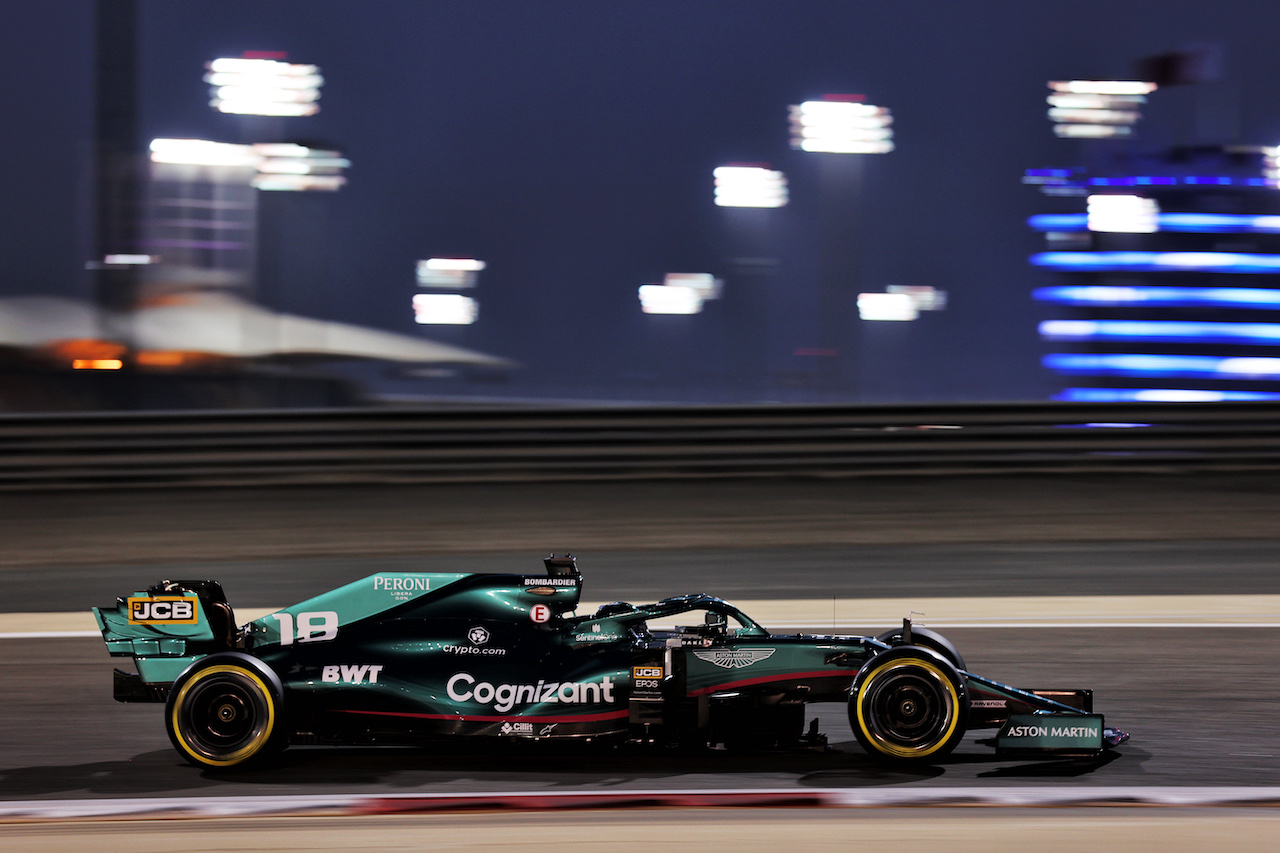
(764, 679)
(469, 718)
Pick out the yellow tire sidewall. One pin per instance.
(248, 750)
(894, 750)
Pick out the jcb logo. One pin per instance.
(165, 610)
(646, 672)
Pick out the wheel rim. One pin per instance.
(907, 708)
(223, 715)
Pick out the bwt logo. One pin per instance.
(343, 674)
(170, 610)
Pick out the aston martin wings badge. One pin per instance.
(735, 658)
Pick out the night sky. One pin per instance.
(570, 144)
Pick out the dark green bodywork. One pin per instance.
(401, 657)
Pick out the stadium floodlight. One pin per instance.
(203, 152)
(1127, 214)
(129, 260)
(1271, 165)
(926, 298)
(887, 306)
(463, 264)
(1159, 395)
(277, 166)
(677, 299)
(1177, 331)
(1096, 109)
(1142, 364)
(900, 302)
(680, 293)
(841, 125)
(1119, 88)
(265, 87)
(1243, 263)
(451, 273)
(298, 183)
(706, 285)
(1252, 298)
(743, 185)
(444, 309)
(293, 168)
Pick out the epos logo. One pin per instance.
(162, 610)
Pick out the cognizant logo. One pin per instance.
(463, 687)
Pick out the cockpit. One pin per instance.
(697, 620)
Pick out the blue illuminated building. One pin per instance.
(1172, 293)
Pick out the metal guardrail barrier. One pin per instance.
(509, 444)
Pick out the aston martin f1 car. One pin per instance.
(407, 658)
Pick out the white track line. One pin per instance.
(46, 635)
(1030, 797)
(854, 615)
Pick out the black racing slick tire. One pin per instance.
(225, 711)
(928, 639)
(908, 704)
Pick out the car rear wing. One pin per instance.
(164, 628)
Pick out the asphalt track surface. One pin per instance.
(950, 830)
(1200, 701)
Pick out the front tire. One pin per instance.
(928, 639)
(224, 711)
(908, 704)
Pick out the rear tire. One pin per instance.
(908, 704)
(224, 711)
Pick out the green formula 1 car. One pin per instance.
(407, 658)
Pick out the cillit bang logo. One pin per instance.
(163, 610)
